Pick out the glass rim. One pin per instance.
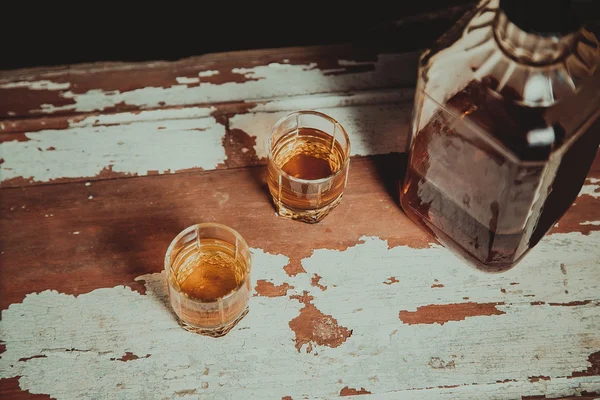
(191, 228)
(309, 181)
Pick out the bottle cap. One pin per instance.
(542, 17)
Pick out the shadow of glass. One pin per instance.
(260, 176)
(390, 169)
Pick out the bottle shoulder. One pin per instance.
(528, 69)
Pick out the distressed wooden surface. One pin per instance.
(183, 140)
(361, 304)
(251, 76)
(158, 118)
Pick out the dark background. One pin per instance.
(42, 34)
(57, 33)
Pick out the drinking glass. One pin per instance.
(308, 161)
(208, 275)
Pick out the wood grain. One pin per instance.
(210, 79)
(49, 233)
(128, 224)
(57, 237)
(183, 140)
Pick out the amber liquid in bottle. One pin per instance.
(505, 128)
(497, 241)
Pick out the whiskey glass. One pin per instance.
(208, 275)
(308, 161)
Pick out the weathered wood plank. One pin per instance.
(373, 129)
(215, 78)
(49, 232)
(159, 207)
(341, 307)
(175, 140)
(325, 100)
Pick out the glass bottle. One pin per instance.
(505, 129)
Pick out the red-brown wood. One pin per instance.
(18, 101)
(124, 230)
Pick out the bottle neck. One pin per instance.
(531, 48)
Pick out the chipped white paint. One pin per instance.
(591, 188)
(596, 223)
(332, 100)
(76, 233)
(36, 85)
(186, 81)
(135, 143)
(329, 100)
(273, 80)
(373, 129)
(205, 74)
(80, 338)
(143, 116)
(136, 148)
(88, 184)
(90, 197)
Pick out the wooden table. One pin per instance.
(102, 165)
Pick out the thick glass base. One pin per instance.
(495, 256)
(309, 216)
(212, 332)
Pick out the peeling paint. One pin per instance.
(258, 82)
(269, 289)
(571, 303)
(334, 100)
(135, 144)
(14, 137)
(372, 129)
(31, 358)
(315, 282)
(204, 74)
(539, 378)
(259, 358)
(390, 280)
(314, 327)
(294, 267)
(348, 391)
(133, 149)
(129, 356)
(183, 80)
(591, 188)
(143, 116)
(437, 363)
(442, 313)
(594, 366)
(36, 85)
(235, 143)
